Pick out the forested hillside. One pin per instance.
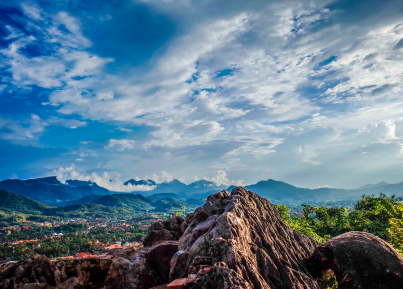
(22, 204)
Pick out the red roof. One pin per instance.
(177, 284)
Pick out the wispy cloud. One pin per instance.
(125, 129)
(22, 131)
(121, 144)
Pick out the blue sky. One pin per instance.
(306, 92)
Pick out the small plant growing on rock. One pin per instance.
(329, 280)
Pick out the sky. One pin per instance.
(305, 92)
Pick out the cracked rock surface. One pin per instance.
(243, 235)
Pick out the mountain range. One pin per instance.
(49, 190)
(112, 205)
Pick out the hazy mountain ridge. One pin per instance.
(370, 186)
(202, 188)
(282, 193)
(50, 190)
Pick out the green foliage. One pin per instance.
(182, 213)
(84, 210)
(128, 201)
(22, 204)
(329, 280)
(381, 216)
(4, 224)
(302, 225)
(139, 202)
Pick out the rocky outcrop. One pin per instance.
(241, 238)
(219, 276)
(169, 230)
(235, 240)
(149, 267)
(37, 269)
(178, 265)
(144, 268)
(358, 260)
(92, 272)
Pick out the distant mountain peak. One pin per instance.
(174, 182)
(201, 183)
(77, 183)
(133, 182)
(370, 186)
(48, 180)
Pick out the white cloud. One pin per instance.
(308, 153)
(125, 129)
(14, 32)
(161, 177)
(70, 123)
(122, 144)
(229, 164)
(24, 130)
(32, 11)
(220, 179)
(108, 181)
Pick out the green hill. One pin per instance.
(131, 201)
(12, 205)
(169, 204)
(14, 202)
(137, 202)
(166, 195)
(83, 210)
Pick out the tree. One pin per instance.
(4, 224)
(182, 213)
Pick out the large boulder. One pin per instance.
(169, 230)
(37, 269)
(149, 267)
(358, 260)
(178, 265)
(241, 236)
(92, 272)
